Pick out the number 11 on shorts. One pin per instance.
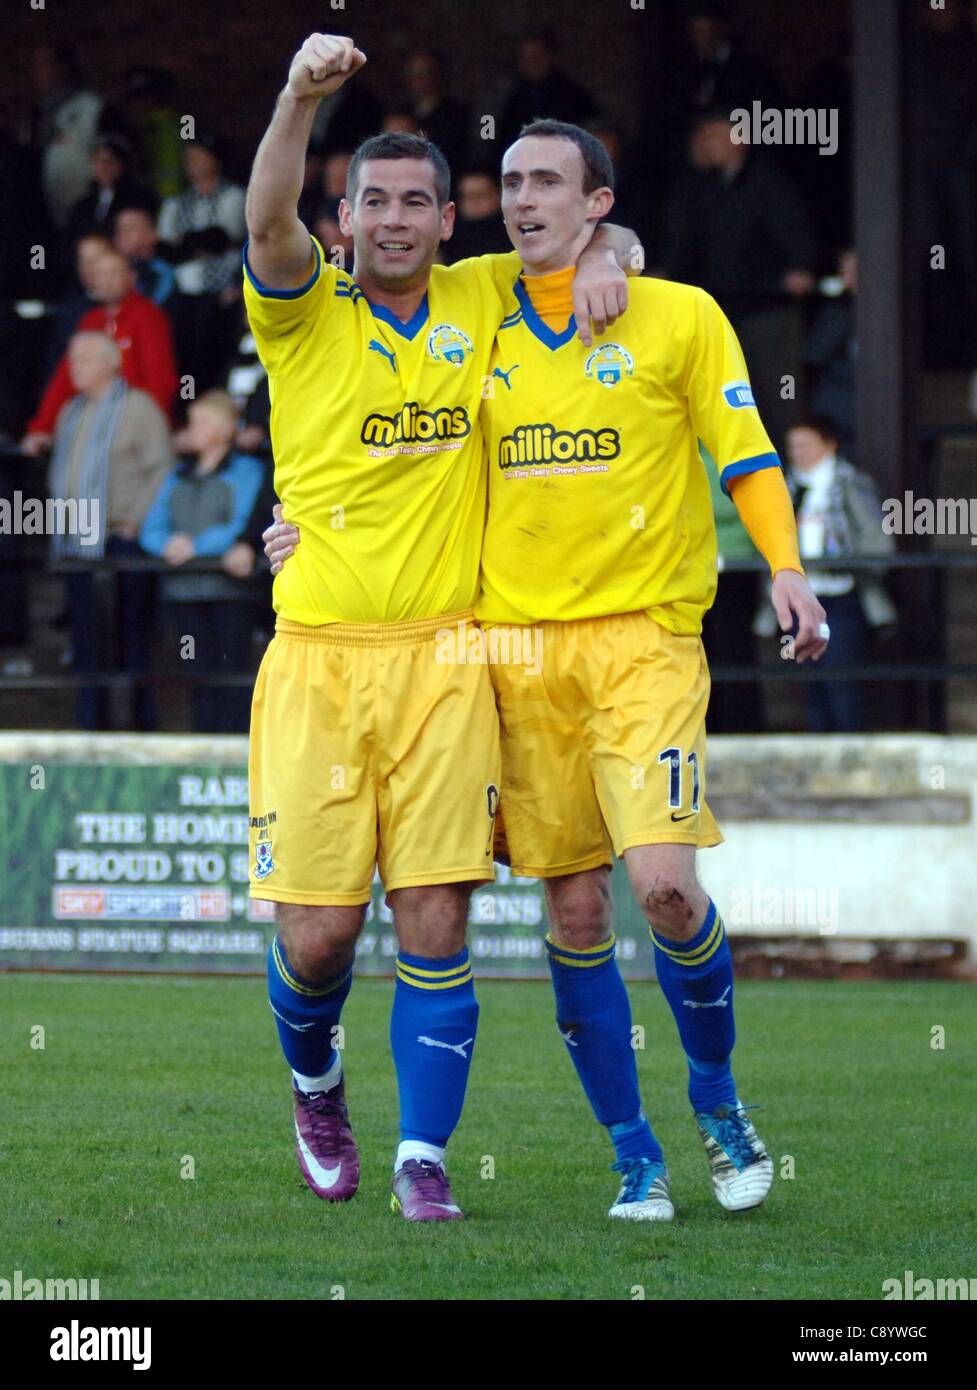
(673, 756)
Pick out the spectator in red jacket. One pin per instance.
(142, 333)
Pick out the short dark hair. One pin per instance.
(821, 424)
(137, 200)
(547, 37)
(213, 143)
(91, 234)
(64, 55)
(400, 145)
(156, 84)
(117, 143)
(598, 171)
(438, 57)
(480, 169)
(716, 10)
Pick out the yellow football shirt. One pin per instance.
(379, 457)
(598, 497)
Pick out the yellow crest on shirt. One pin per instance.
(608, 364)
(446, 343)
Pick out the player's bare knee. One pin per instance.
(431, 920)
(319, 941)
(669, 903)
(580, 909)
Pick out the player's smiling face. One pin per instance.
(548, 216)
(395, 222)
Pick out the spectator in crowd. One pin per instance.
(253, 438)
(331, 237)
(335, 172)
(346, 117)
(311, 195)
(839, 513)
(542, 89)
(827, 182)
(23, 217)
(142, 332)
(135, 236)
(65, 125)
(735, 707)
(211, 205)
(830, 350)
(202, 511)
(111, 181)
(735, 224)
(155, 124)
(479, 228)
(254, 432)
(15, 628)
(325, 223)
(246, 383)
(944, 133)
(89, 249)
(400, 122)
(442, 117)
(635, 203)
(204, 229)
(23, 226)
(111, 452)
(717, 73)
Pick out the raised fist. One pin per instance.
(322, 65)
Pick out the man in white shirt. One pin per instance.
(838, 513)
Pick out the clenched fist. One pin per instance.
(322, 65)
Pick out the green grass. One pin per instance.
(137, 1073)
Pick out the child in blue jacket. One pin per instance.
(202, 510)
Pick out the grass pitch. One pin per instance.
(138, 1076)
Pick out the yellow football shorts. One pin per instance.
(371, 745)
(603, 740)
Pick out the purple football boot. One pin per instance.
(421, 1193)
(324, 1143)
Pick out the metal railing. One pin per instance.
(932, 669)
(922, 617)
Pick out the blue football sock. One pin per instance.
(306, 1014)
(593, 1014)
(432, 1034)
(635, 1139)
(696, 978)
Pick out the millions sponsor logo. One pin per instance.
(411, 425)
(545, 444)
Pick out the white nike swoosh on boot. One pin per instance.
(322, 1177)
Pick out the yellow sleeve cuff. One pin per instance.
(765, 509)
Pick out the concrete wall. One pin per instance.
(844, 837)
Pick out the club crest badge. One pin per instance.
(263, 862)
(445, 343)
(609, 364)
